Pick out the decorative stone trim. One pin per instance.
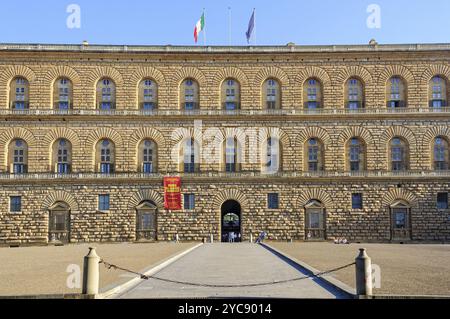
(60, 196)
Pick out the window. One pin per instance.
(18, 156)
(103, 202)
(441, 153)
(314, 155)
(147, 156)
(62, 94)
(271, 94)
(105, 156)
(442, 201)
(396, 93)
(355, 155)
(272, 201)
(230, 94)
(190, 156)
(189, 201)
(357, 201)
(272, 155)
(189, 95)
(148, 95)
(312, 94)
(399, 154)
(354, 90)
(231, 155)
(106, 94)
(438, 92)
(15, 204)
(19, 93)
(62, 156)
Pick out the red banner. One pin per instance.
(172, 193)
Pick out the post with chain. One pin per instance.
(91, 273)
(363, 266)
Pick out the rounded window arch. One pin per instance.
(63, 94)
(189, 156)
(230, 94)
(106, 94)
(147, 156)
(271, 94)
(438, 92)
(398, 154)
(19, 93)
(354, 94)
(189, 95)
(355, 150)
(105, 156)
(396, 92)
(440, 153)
(18, 156)
(313, 94)
(62, 156)
(148, 94)
(271, 155)
(314, 151)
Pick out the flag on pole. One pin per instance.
(251, 26)
(199, 26)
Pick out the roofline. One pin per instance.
(289, 48)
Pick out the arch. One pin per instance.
(270, 72)
(395, 194)
(188, 72)
(61, 132)
(355, 131)
(62, 71)
(311, 132)
(15, 133)
(144, 194)
(17, 71)
(399, 131)
(313, 72)
(147, 133)
(314, 194)
(428, 141)
(229, 194)
(144, 73)
(104, 72)
(104, 133)
(59, 196)
(434, 70)
(355, 71)
(395, 70)
(229, 72)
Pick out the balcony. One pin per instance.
(219, 112)
(225, 175)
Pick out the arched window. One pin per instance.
(106, 94)
(231, 94)
(438, 92)
(105, 156)
(314, 153)
(148, 95)
(189, 95)
(271, 156)
(190, 156)
(147, 157)
(18, 156)
(312, 94)
(399, 154)
(354, 94)
(19, 94)
(441, 153)
(62, 156)
(356, 152)
(232, 163)
(272, 94)
(396, 94)
(62, 94)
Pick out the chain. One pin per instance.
(145, 277)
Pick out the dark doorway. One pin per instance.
(231, 221)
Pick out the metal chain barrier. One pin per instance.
(145, 277)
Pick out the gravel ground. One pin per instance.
(405, 269)
(42, 270)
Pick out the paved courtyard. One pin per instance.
(42, 270)
(229, 264)
(405, 269)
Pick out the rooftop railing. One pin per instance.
(216, 112)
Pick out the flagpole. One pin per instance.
(204, 30)
(229, 26)
(254, 12)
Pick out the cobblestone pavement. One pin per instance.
(229, 264)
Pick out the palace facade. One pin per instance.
(303, 142)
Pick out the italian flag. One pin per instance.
(199, 26)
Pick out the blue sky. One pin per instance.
(278, 22)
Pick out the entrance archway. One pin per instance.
(231, 221)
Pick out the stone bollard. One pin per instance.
(211, 238)
(251, 238)
(363, 274)
(91, 273)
